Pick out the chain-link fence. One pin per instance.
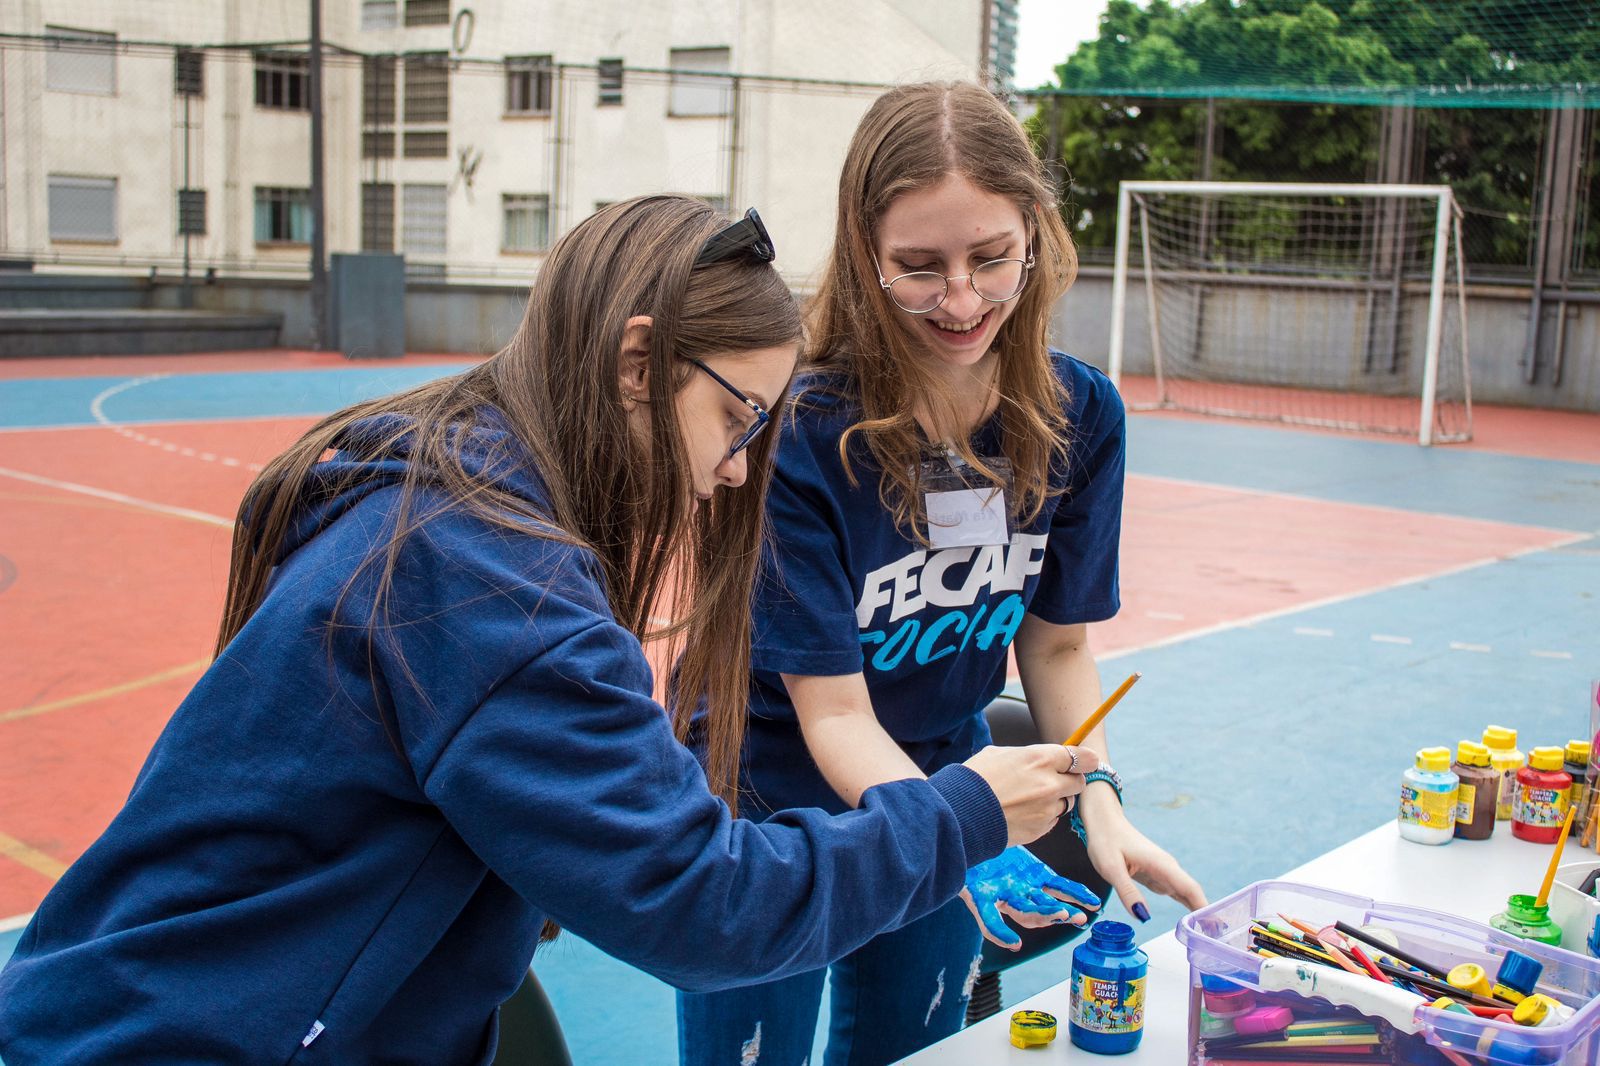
(144, 157)
(1527, 181)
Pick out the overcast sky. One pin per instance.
(1048, 31)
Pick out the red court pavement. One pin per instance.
(113, 605)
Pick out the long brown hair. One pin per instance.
(911, 138)
(556, 386)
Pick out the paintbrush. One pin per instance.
(1104, 709)
(1550, 875)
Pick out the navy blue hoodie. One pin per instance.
(287, 885)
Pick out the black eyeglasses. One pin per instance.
(762, 418)
(744, 237)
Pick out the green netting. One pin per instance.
(1429, 53)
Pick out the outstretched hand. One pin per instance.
(1015, 884)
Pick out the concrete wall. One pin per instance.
(1497, 330)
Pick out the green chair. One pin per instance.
(530, 1035)
(1060, 849)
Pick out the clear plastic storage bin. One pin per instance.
(1412, 1033)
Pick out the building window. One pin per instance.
(377, 217)
(83, 209)
(529, 84)
(427, 144)
(610, 71)
(526, 222)
(189, 72)
(378, 75)
(378, 15)
(695, 95)
(422, 226)
(80, 61)
(283, 81)
(191, 212)
(283, 216)
(427, 12)
(427, 87)
(377, 144)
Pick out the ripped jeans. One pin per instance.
(908, 988)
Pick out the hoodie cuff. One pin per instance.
(977, 811)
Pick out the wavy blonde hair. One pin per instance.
(911, 138)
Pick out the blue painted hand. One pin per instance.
(1016, 884)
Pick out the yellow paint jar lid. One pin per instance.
(1471, 753)
(1532, 1010)
(1433, 759)
(1578, 751)
(1032, 1028)
(1498, 737)
(1551, 758)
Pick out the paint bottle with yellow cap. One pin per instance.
(1543, 791)
(1577, 757)
(1506, 759)
(1428, 798)
(1478, 793)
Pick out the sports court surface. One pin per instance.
(1308, 609)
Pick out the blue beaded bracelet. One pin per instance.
(1109, 776)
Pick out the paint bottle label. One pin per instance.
(1540, 807)
(1103, 1006)
(1466, 799)
(1427, 808)
(1508, 795)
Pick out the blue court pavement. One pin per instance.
(1244, 751)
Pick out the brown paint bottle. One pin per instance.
(1475, 801)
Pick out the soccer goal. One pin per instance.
(1326, 305)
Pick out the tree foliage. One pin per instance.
(1290, 87)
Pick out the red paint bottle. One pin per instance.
(1539, 805)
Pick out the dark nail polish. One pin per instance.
(1141, 912)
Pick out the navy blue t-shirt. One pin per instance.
(846, 590)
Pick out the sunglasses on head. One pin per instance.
(744, 237)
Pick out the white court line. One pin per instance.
(1456, 645)
(1386, 638)
(1328, 601)
(117, 497)
(15, 922)
(1304, 498)
(1551, 654)
(1164, 616)
(1312, 631)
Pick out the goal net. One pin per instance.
(1324, 305)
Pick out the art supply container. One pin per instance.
(1428, 798)
(1575, 911)
(1525, 918)
(1543, 791)
(1401, 1026)
(1506, 758)
(1576, 764)
(1107, 1002)
(1478, 792)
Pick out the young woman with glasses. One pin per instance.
(948, 490)
(428, 733)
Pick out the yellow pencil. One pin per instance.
(1100, 712)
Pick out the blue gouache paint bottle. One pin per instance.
(1108, 978)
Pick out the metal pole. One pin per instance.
(1119, 282)
(1430, 362)
(319, 266)
(186, 292)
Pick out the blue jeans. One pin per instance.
(908, 988)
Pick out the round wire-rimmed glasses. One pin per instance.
(922, 292)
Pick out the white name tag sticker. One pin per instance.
(966, 518)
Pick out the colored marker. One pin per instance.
(1100, 712)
